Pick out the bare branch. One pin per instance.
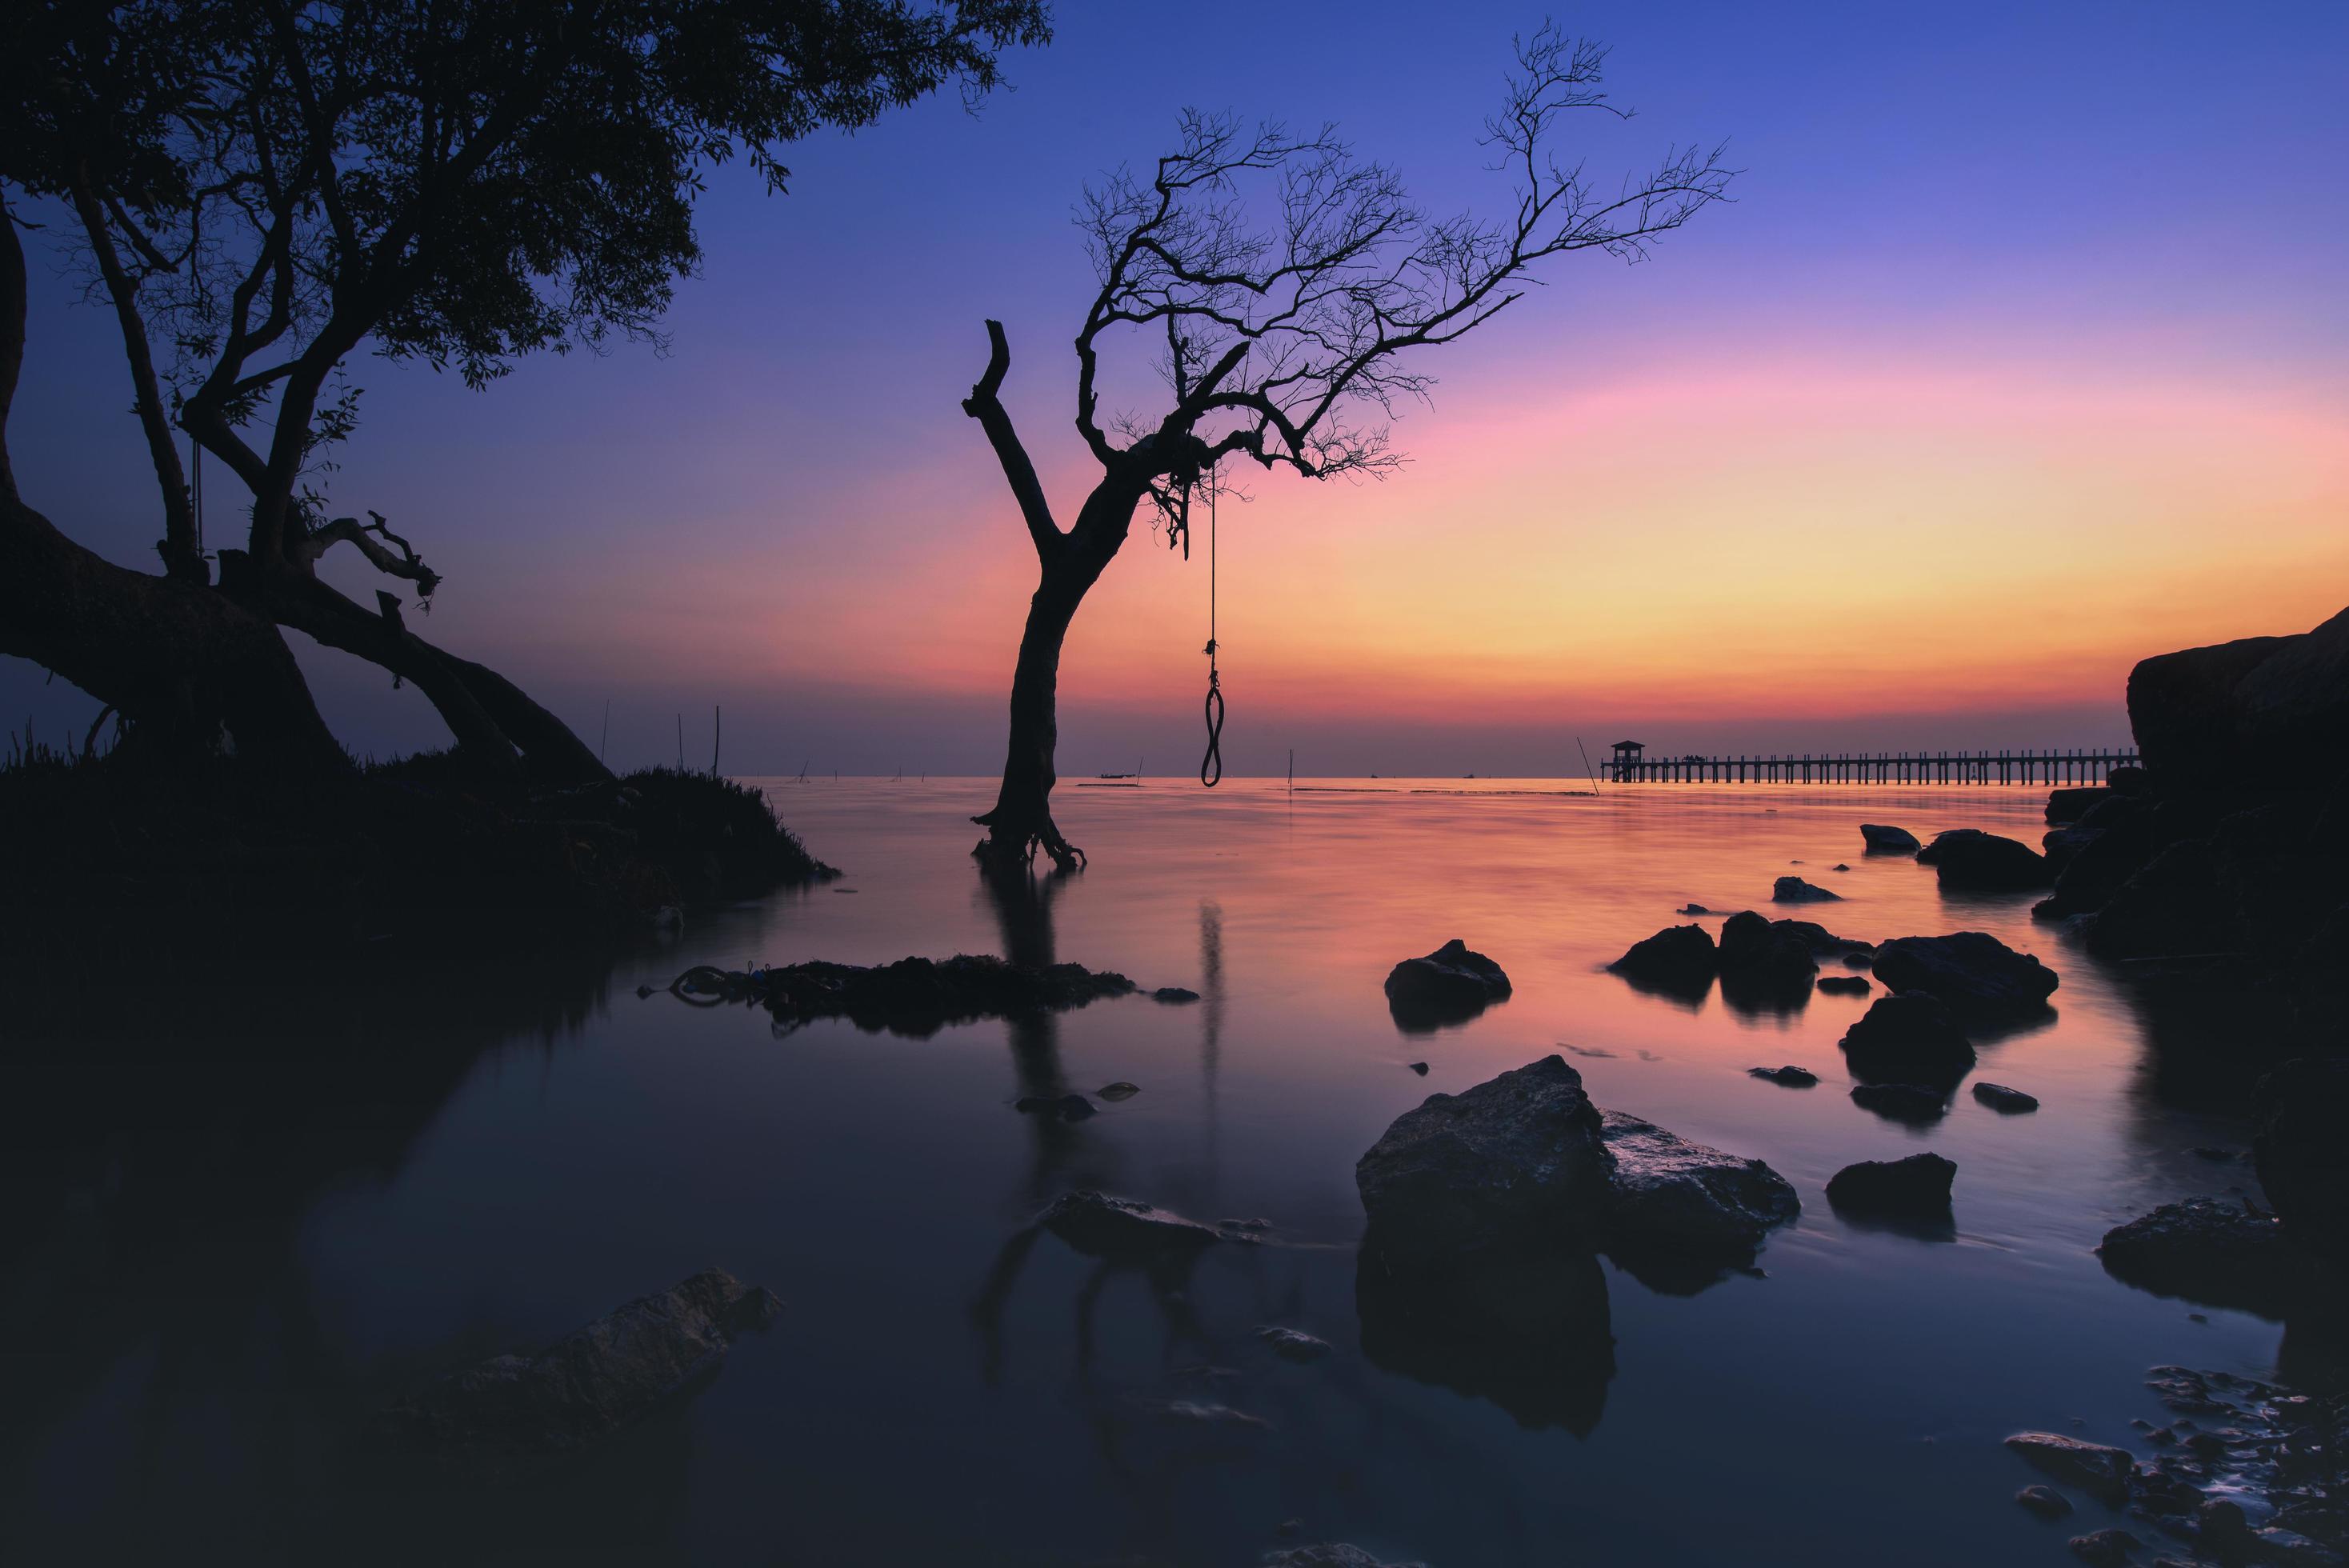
(985, 406)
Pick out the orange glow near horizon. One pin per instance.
(1800, 538)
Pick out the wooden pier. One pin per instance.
(1630, 764)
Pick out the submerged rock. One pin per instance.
(2300, 1145)
(1174, 994)
(2210, 1251)
(1973, 972)
(1907, 1038)
(2004, 1100)
(1294, 1344)
(2044, 1501)
(1911, 1102)
(2104, 1548)
(1884, 839)
(1516, 1161)
(1102, 1226)
(1968, 860)
(2097, 1467)
(589, 1384)
(1845, 984)
(1679, 959)
(1666, 1195)
(1795, 890)
(1790, 1076)
(1916, 1188)
(919, 996)
(1451, 985)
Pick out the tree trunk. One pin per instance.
(1022, 821)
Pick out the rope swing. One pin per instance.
(1211, 766)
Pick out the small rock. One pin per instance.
(1174, 994)
(2044, 1501)
(1668, 1194)
(1914, 1188)
(2099, 1466)
(2104, 1548)
(1971, 860)
(2004, 1100)
(1293, 1344)
(1103, 1226)
(1790, 1076)
(1679, 958)
(1114, 1092)
(1845, 984)
(1795, 890)
(1840, 866)
(1451, 985)
(1075, 1108)
(1691, 909)
(1883, 840)
(1334, 1554)
(1418, 1068)
(1910, 1037)
(1203, 1413)
(2208, 1250)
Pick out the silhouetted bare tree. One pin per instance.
(266, 188)
(1280, 281)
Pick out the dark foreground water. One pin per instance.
(239, 1215)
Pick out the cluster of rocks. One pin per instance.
(2244, 1472)
(2230, 851)
(1760, 962)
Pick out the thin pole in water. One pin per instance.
(1586, 764)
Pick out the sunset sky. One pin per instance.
(2023, 352)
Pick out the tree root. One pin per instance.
(1006, 847)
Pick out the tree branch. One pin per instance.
(985, 406)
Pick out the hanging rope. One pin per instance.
(1211, 766)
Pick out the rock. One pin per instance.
(1845, 984)
(1207, 1413)
(1907, 1038)
(591, 1383)
(1669, 1196)
(1059, 1107)
(2004, 1100)
(1102, 1226)
(919, 996)
(1888, 840)
(2198, 712)
(1075, 1108)
(2105, 857)
(2096, 1467)
(1916, 1188)
(2300, 1146)
(1418, 1068)
(1791, 1076)
(2044, 1501)
(1174, 994)
(1909, 1102)
(1967, 860)
(1975, 974)
(1121, 1090)
(1795, 890)
(1516, 1161)
(1762, 964)
(2069, 805)
(1529, 1330)
(1293, 1344)
(1335, 1555)
(2178, 904)
(2060, 845)
(2207, 1250)
(2126, 781)
(1821, 941)
(2104, 1548)
(1680, 959)
(1451, 985)
(1840, 866)
(1691, 909)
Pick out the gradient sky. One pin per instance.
(2022, 354)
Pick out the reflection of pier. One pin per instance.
(1631, 765)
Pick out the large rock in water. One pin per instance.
(1967, 860)
(1679, 959)
(2209, 1250)
(590, 1383)
(2300, 1143)
(1886, 840)
(1515, 1162)
(2198, 713)
(1907, 1038)
(1666, 1195)
(1914, 1189)
(1451, 985)
(1974, 972)
(1764, 964)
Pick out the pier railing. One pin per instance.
(2074, 766)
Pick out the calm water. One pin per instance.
(237, 1216)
